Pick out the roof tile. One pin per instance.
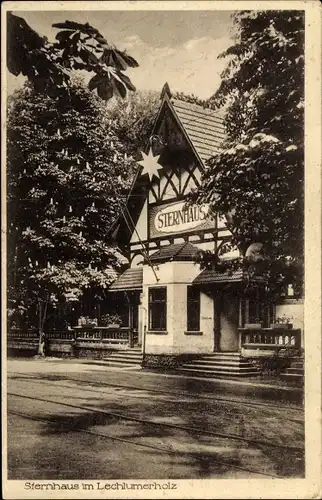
(205, 127)
(209, 276)
(131, 279)
(175, 252)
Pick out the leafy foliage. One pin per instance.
(133, 118)
(192, 99)
(77, 47)
(256, 182)
(67, 177)
(110, 319)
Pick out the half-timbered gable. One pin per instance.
(184, 136)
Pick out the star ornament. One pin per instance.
(150, 164)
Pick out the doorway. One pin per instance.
(226, 322)
(134, 323)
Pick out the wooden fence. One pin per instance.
(78, 338)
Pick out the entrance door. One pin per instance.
(134, 323)
(135, 315)
(226, 320)
(229, 319)
(217, 309)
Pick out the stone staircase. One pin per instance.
(295, 373)
(220, 364)
(131, 358)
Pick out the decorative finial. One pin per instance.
(166, 91)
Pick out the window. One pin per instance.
(157, 308)
(193, 309)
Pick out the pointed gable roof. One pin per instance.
(204, 127)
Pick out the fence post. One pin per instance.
(131, 344)
(240, 340)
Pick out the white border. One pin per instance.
(310, 487)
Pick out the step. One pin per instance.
(220, 359)
(126, 355)
(297, 364)
(221, 373)
(292, 376)
(299, 371)
(219, 368)
(297, 381)
(121, 365)
(222, 355)
(219, 362)
(123, 361)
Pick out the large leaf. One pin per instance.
(120, 60)
(19, 31)
(121, 87)
(62, 36)
(96, 81)
(72, 25)
(130, 61)
(105, 90)
(127, 82)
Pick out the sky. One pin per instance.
(178, 47)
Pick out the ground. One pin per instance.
(75, 419)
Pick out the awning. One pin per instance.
(130, 280)
(175, 252)
(211, 276)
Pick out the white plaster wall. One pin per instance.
(190, 344)
(207, 245)
(158, 343)
(141, 226)
(294, 311)
(221, 221)
(185, 272)
(169, 194)
(137, 261)
(176, 276)
(191, 184)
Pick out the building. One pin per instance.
(175, 308)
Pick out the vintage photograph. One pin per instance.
(154, 247)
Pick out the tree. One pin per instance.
(133, 119)
(192, 99)
(68, 175)
(256, 182)
(77, 47)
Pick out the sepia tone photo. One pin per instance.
(154, 230)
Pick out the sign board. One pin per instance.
(178, 218)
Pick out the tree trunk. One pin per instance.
(42, 312)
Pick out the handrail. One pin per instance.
(275, 337)
(94, 334)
